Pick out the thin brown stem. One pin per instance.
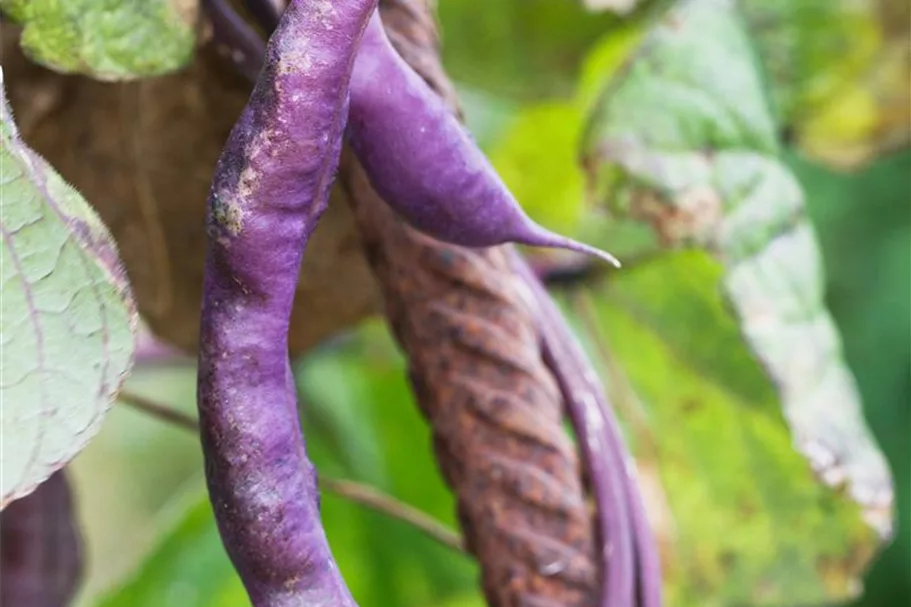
(359, 493)
(162, 412)
(393, 508)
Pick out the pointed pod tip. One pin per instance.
(593, 251)
(541, 237)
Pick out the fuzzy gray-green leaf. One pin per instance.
(66, 318)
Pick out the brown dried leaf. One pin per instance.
(476, 369)
(143, 154)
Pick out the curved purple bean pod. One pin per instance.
(632, 570)
(270, 187)
(41, 550)
(424, 162)
(647, 557)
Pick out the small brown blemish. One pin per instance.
(692, 216)
(227, 215)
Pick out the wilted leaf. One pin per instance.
(40, 548)
(143, 154)
(745, 521)
(683, 142)
(109, 40)
(67, 318)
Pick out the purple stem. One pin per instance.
(266, 12)
(270, 187)
(235, 38)
(650, 578)
(151, 351)
(629, 550)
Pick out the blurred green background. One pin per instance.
(528, 71)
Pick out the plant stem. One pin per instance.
(235, 38)
(353, 491)
(393, 508)
(266, 12)
(162, 412)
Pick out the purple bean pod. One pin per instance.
(424, 163)
(632, 570)
(270, 187)
(41, 550)
(647, 557)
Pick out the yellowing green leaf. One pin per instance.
(66, 318)
(839, 73)
(739, 516)
(811, 49)
(107, 39)
(683, 142)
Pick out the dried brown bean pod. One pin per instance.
(475, 365)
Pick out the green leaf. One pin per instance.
(536, 159)
(607, 56)
(519, 49)
(187, 567)
(838, 70)
(66, 317)
(486, 115)
(536, 152)
(618, 6)
(811, 49)
(107, 39)
(682, 143)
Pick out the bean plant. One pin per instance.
(341, 183)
